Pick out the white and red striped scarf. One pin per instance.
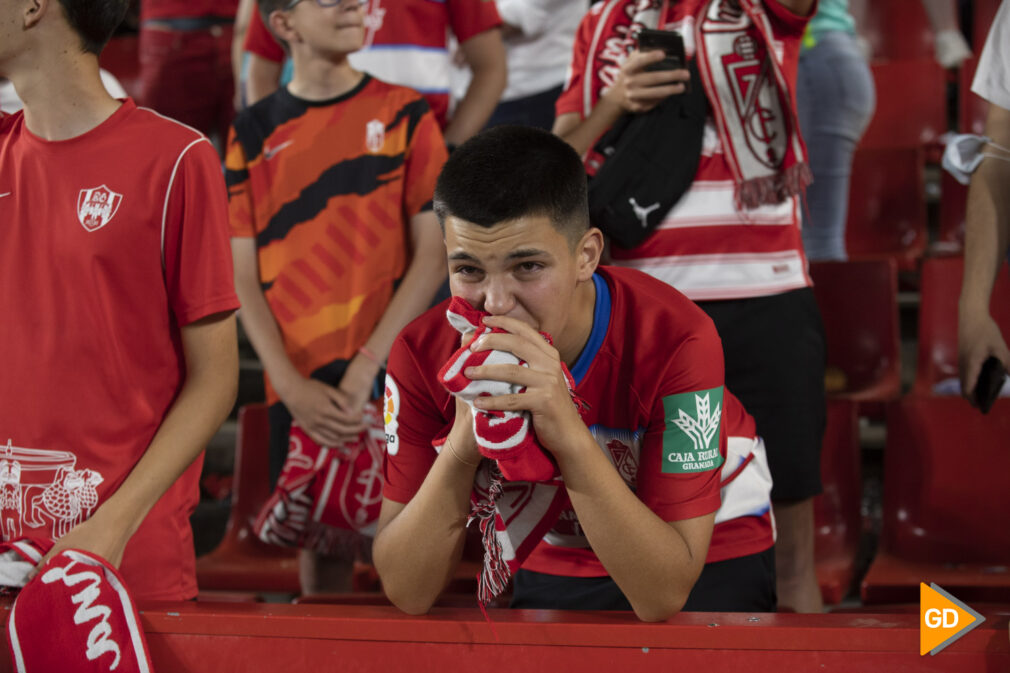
(749, 93)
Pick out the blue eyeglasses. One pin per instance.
(328, 3)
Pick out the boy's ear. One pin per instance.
(281, 27)
(34, 11)
(588, 250)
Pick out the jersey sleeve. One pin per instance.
(426, 154)
(236, 176)
(470, 17)
(684, 442)
(260, 41)
(570, 99)
(413, 419)
(197, 254)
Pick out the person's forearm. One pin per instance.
(986, 224)
(647, 558)
(206, 398)
(582, 135)
(987, 221)
(485, 54)
(418, 551)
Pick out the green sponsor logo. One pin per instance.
(691, 439)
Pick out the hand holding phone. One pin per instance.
(669, 42)
(990, 382)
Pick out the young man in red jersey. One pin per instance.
(640, 466)
(118, 353)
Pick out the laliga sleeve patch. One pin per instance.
(391, 415)
(691, 438)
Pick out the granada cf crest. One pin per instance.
(375, 135)
(756, 98)
(97, 206)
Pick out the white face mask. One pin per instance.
(964, 153)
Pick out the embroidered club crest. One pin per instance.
(375, 135)
(750, 76)
(97, 206)
(625, 460)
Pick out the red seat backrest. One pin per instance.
(858, 302)
(940, 290)
(837, 519)
(895, 29)
(887, 206)
(945, 481)
(911, 104)
(252, 480)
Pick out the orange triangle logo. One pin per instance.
(942, 619)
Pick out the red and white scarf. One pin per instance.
(518, 493)
(328, 497)
(75, 616)
(749, 94)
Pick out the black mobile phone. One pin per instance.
(672, 44)
(990, 382)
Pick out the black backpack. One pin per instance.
(649, 161)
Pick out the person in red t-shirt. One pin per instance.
(119, 353)
(406, 43)
(642, 465)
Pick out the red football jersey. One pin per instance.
(706, 246)
(405, 42)
(652, 375)
(109, 242)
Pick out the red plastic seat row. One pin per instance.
(859, 308)
(241, 562)
(946, 500)
(838, 521)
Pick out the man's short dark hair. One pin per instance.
(508, 172)
(95, 20)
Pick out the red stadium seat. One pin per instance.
(837, 517)
(940, 289)
(858, 301)
(896, 30)
(241, 562)
(887, 206)
(911, 107)
(120, 57)
(945, 502)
